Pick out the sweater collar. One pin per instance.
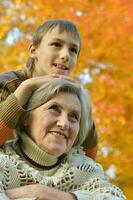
(35, 154)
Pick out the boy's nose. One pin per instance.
(65, 54)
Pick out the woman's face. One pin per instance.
(54, 125)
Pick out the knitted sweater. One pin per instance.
(22, 162)
(9, 81)
(10, 110)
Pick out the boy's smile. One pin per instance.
(56, 54)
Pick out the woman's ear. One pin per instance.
(26, 123)
(26, 120)
(32, 51)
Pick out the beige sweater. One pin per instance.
(74, 173)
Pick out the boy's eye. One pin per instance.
(74, 50)
(55, 108)
(56, 44)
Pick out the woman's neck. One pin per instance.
(35, 155)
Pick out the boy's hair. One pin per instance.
(48, 90)
(64, 25)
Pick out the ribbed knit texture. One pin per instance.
(35, 153)
(10, 111)
(13, 108)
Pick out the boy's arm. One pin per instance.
(92, 152)
(91, 143)
(11, 104)
(10, 111)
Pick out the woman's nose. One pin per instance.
(63, 122)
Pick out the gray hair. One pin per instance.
(49, 89)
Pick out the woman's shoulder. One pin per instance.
(79, 159)
(7, 150)
(78, 156)
(79, 168)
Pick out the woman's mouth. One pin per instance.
(58, 134)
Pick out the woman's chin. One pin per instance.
(56, 150)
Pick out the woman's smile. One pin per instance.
(58, 134)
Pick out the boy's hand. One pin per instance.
(63, 77)
(25, 89)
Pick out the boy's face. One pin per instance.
(56, 54)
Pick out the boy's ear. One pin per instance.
(32, 51)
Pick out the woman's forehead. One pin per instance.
(65, 100)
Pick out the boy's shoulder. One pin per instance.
(11, 75)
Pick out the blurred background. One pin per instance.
(105, 67)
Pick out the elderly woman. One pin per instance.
(46, 161)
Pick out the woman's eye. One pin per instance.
(55, 108)
(56, 44)
(74, 50)
(74, 116)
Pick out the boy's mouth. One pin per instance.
(60, 66)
